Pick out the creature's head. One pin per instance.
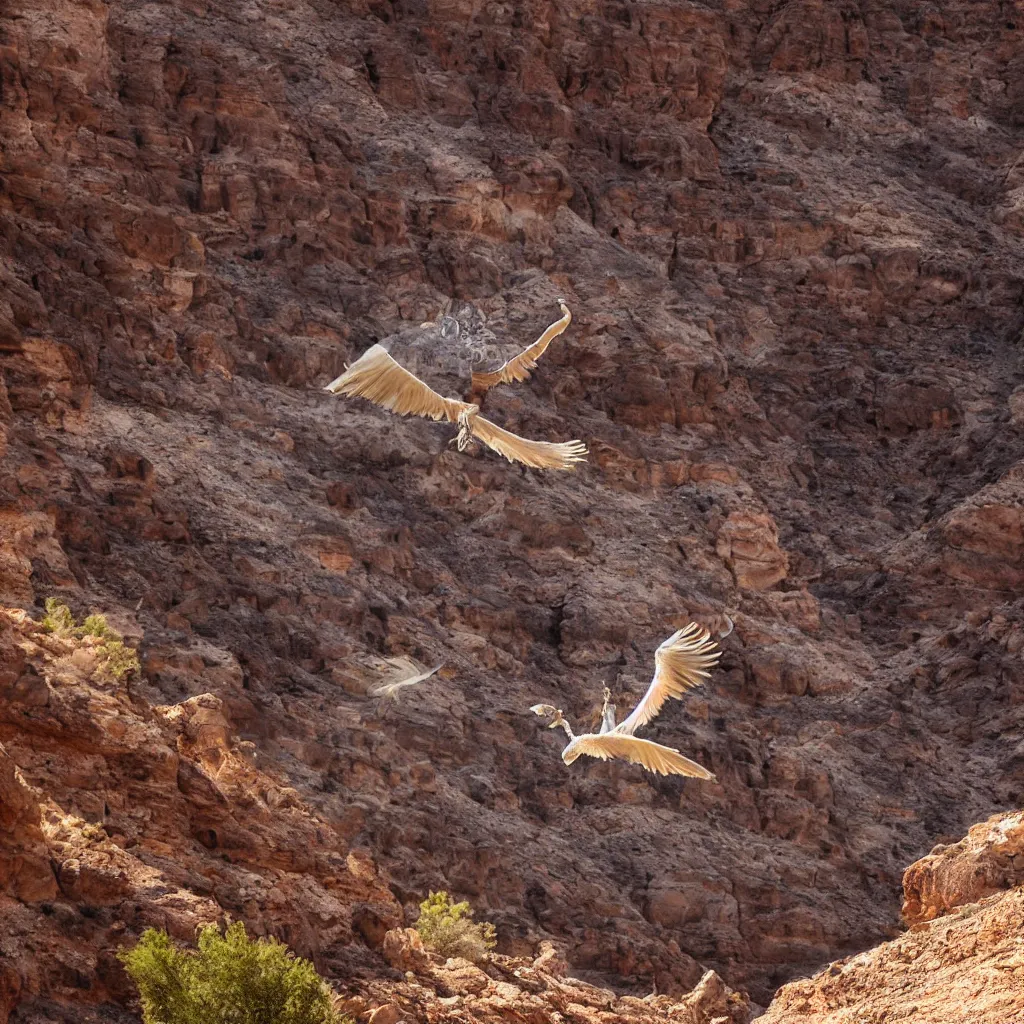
(557, 719)
(547, 709)
(450, 327)
(464, 323)
(544, 710)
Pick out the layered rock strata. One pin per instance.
(790, 234)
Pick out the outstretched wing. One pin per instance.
(519, 367)
(376, 377)
(538, 454)
(653, 756)
(392, 688)
(681, 663)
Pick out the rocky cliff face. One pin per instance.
(962, 958)
(791, 237)
(516, 989)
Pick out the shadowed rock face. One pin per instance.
(790, 235)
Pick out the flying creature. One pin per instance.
(681, 663)
(388, 374)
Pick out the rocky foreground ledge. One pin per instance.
(522, 989)
(74, 891)
(962, 959)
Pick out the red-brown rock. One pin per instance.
(792, 237)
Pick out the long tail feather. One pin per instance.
(537, 454)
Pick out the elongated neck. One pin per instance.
(565, 725)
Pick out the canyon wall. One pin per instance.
(791, 237)
(961, 960)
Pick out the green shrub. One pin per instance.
(448, 929)
(96, 625)
(58, 618)
(230, 979)
(116, 658)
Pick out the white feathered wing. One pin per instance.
(681, 663)
(518, 368)
(653, 756)
(378, 378)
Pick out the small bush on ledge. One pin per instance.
(116, 658)
(230, 979)
(448, 929)
(58, 619)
